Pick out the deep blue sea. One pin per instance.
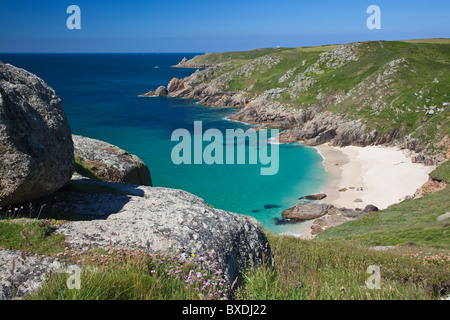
(100, 96)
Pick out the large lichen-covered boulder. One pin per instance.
(36, 149)
(105, 162)
(160, 220)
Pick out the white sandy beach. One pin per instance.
(386, 176)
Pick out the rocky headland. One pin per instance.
(332, 116)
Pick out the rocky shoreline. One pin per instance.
(312, 126)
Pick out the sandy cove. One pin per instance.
(386, 175)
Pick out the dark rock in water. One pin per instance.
(161, 91)
(182, 63)
(280, 222)
(370, 208)
(36, 149)
(256, 211)
(301, 198)
(319, 196)
(106, 162)
(271, 206)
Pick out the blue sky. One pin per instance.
(211, 25)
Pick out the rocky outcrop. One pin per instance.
(311, 125)
(323, 216)
(336, 130)
(106, 162)
(443, 217)
(306, 211)
(185, 63)
(36, 149)
(207, 93)
(329, 221)
(431, 186)
(316, 197)
(159, 220)
(272, 114)
(337, 216)
(370, 208)
(161, 91)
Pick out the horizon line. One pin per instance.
(205, 52)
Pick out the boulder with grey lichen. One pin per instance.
(160, 220)
(36, 149)
(106, 162)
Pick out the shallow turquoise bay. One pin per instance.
(100, 96)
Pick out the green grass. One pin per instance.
(333, 266)
(30, 235)
(302, 270)
(442, 173)
(85, 169)
(331, 270)
(242, 56)
(413, 220)
(435, 40)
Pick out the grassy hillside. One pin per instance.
(413, 220)
(302, 270)
(391, 85)
(331, 267)
(409, 221)
(337, 269)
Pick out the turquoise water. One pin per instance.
(100, 96)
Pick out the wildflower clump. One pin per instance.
(130, 274)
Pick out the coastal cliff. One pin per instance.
(368, 93)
